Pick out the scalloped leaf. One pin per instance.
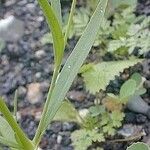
(83, 138)
(139, 146)
(98, 76)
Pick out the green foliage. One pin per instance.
(6, 133)
(83, 138)
(96, 110)
(133, 86)
(70, 69)
(139, 146)
(79, 22)
(107, 116)
(23, 142)
(54, 24)
(129, 32)
(66, 112)
(122, 35)
(97, 125)
(127, 89)
(56, 6)
(117, 3)
(61, 81)
(74, 63)
(97, 77)
(137, 77)
(111, 121)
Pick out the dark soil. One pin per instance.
(20, 66)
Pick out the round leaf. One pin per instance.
(128, 89)
(138, 146)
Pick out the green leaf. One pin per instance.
(117, 118)
(139, 146)
(6, 130)
(116, 44)
(114, 4)
(74, 62)
(10, 144)
(15, 104)
(117, 3)
(127, 89)
(140, 91)
(56, 5)
(69, 24)
(57, 34)
(86, 67)
(83, 138)
(137, 77)
(47, 38)
(26, 143)
(99, 76)
(96, 110)
(66, 112)
(111, 121)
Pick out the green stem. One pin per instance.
(26, 143)
(15, 104)
(70, 20)
(41, 129)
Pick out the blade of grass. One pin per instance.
(71, 67)
(70, 20)
(57, 34)
(26, 143)
(15, 104)
(56, 5)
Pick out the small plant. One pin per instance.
(61, 80)
(102, 119)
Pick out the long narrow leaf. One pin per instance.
(56, 5)
(75, 61)
(70, 20)
(6, 130)
(9, 143)
(26, 143)
(15, 104)
(58, 38)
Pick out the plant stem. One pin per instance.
(25, 142)
(41, 129)
(132, 138)
(70, 20)
(15, 104)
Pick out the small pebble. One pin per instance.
(59, 139)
